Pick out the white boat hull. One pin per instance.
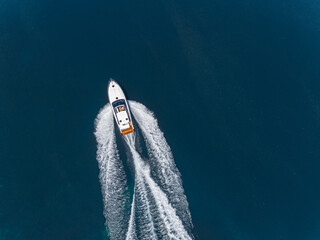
(120, 107)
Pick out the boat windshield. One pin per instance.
(118, 103)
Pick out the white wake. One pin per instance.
(159, 208)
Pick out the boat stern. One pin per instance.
(128, 130)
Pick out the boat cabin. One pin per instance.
(123, 119)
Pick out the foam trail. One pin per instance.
(145, 219)
(163, 168)
(159, 208)
(112, 175)
(173, 225)
(131, 233)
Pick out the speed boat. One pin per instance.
(120, 107)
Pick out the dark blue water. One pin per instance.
(235, 88)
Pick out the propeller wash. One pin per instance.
(155, 207)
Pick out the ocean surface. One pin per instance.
(234, 85)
